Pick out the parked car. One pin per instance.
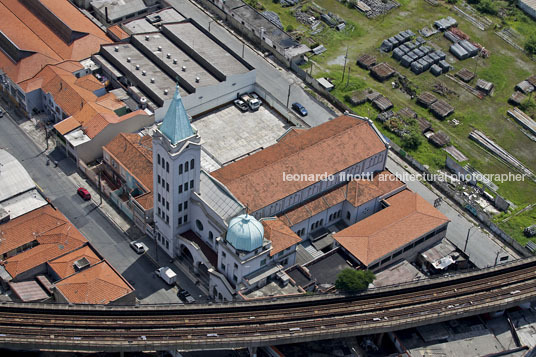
(167, 275)
(240, 104)
(252, 102)
(185, 296)
(82, 192)
(139, 247)
(300, 109)
(1, 113)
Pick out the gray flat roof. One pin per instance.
(169, 49)
(23, 203)
(214, 195)
(118, 8)
(161, 80)
(273, 32)
(14, 178)
(207, 48)
(143, 25)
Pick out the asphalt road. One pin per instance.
(110, 242)
(275, 80)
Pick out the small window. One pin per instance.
(322, 222)
(167, 219)
(180, 221)
(348, 215)
(163, 163)
(223, 254)
(167, 187)
(158, 198)
(263, 262)
(180, 169)
(222, 266)
(167, 205)
(158, 179)
(158, 158)
(235, 266)
(185, 186)
(180, 207)
(192, 164)
(163, 183)
(235, 278)
(199, 224)
(191, 184)
(185, 205)
(210, 236)
(167, 167)
(167, 244)
(186, 166)
(180, 188)
(185, 218)
(159, 211)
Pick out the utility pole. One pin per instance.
(243, 48)
(467, 239)
(100, 187)
(348, 77)
(344, 68)
(497, 258)
(288, 96)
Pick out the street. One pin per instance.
(482, 249)
(275, 80)
(59, 186)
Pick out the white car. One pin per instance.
(139, 247)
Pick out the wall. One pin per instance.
(92, 149)
(413, 249)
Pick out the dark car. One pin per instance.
(185, 296)
(82, 192)
(300, 109)
(1, 113)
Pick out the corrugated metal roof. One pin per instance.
(14, 179)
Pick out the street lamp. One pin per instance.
(467, 239)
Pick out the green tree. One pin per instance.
(352, 280)
(452, 1)
(412, 139)
(290, 28)
(530, 45)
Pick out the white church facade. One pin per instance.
(240, 225)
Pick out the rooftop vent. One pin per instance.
(152, 79)
(168, 55)
(184, 68)
(174, 61)
(81, 264)
(144, 72)
(128, 59)
(116, 48)
(166, 91)
(147, 37)
(197, 79)
(137, 67)
(159, 48)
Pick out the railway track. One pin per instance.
(246, 324)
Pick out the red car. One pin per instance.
(82, 192)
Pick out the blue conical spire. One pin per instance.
(176, 125)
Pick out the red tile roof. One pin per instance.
(118, 32)
(64, 265)
(30, 32)
(29, 227)
(407, 218)
(328, 148)
(52, 243)
(98, 284)
(133, 153)
(281, 236)
(356, 192)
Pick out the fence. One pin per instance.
(464, 203)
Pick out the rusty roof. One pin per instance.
(98, 284)
(407, 218)
(329, 148)
(281, 236)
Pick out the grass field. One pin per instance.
(505, 67)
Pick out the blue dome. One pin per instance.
(245, 233)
